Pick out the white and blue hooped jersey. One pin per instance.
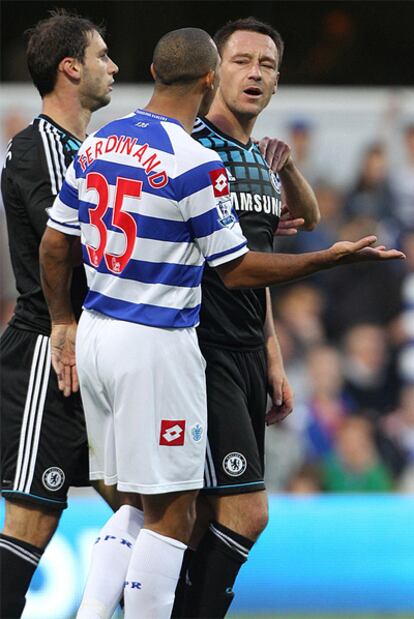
(151, 206)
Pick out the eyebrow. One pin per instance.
(247, 55)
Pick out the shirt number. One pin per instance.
(120, 219)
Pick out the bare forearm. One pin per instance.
(299, 196)
(56, 277)
(258, 270)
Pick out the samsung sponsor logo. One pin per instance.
(257, 202)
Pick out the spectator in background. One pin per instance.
(299, 309)
(355, 466)
(327, 404)
(371, 196)
(306, 481)
(357, 294)
(330, 202)
(403, 182)
(370, 378)
(301, 139)
(403, 327)
(399, 428)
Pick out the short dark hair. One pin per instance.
(253, 25)
(61, 35)
(183, 56)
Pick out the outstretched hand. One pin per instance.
(348, 252)
(62, 341)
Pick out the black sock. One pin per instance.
(180, 591)
(212, 572)
(18, 561)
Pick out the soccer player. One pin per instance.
(150, 206)
(236, 332)
(43, 439)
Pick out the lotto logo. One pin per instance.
(172, 432)
(220, 183)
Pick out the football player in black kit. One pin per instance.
(236, 332)
(43, 441)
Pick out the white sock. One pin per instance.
(110, 558)
(152, 576)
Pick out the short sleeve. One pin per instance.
(64, 214)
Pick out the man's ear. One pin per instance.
(210, 80)
(153, 73)
(276, 83)
(71, 68)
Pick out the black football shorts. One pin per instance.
(43, 436)
(236, 402)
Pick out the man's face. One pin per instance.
(249, 72)
(98, 73)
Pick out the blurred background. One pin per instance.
(340, 469)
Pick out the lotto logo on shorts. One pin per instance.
(220, 183)
(172, 432)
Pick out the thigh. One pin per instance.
(236, 404)
(43, 440)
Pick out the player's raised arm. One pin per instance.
(257, 270)
(298, 194)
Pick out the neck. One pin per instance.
(67, 112)
(175, 104)
(237, 126)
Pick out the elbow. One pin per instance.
(231, 281)
(311, 222)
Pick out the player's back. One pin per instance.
(144, 192)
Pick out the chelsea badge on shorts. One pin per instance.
(53, 478)
(234, 464)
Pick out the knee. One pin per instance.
(257, 520)
(245, 514)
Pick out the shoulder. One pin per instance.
(189, 153)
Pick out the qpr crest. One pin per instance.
(276, 184)
(234, 464)
(226, 217)
(53, 478)
(197, 433)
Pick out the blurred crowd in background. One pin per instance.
(347, 335)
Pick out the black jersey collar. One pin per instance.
(227, 137)
(62, 129)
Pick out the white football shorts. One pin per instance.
(144, 395)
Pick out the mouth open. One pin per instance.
(252, 91)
